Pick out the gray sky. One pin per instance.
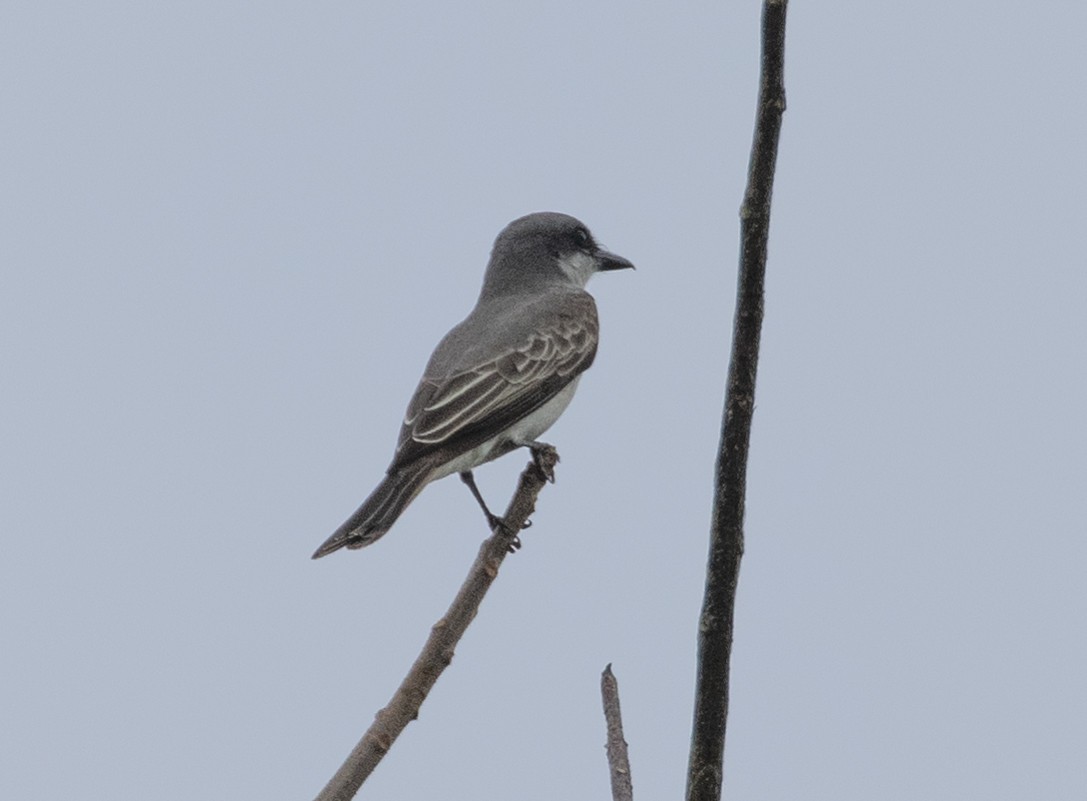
(230, 235)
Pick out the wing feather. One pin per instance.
(467, 407)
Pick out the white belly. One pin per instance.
(522, 432)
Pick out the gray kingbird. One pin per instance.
(501, 377)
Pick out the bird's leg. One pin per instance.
(544, 456)
(493, 520)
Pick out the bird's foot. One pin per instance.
(499, 525)
(494, 521)
(545, 457)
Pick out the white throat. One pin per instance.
(578, 267)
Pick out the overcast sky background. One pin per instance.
(230, 235)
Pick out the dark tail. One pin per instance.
(378, 512)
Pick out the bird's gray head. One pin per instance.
(545, 249)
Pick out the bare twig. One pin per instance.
(444, 636)
(704, 773)
(618, 762)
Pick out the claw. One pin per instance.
(544, 457)
(500, 524)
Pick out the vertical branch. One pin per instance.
(704, 776)
(622, 789)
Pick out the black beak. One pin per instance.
(610, 261)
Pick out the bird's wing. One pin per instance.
(458, 411)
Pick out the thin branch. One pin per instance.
(704, 775)
(444, 636)
(618, 762)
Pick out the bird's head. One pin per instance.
(546, 248)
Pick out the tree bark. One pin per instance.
(622, 789)
(444, 636)
(705, 771)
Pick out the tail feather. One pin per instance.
(378, 512)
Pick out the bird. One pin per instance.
(501, 377)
